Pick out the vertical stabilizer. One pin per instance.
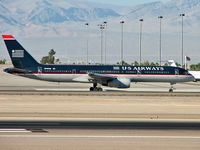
(19, 56)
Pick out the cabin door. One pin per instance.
(139, 72)
(74, 71)
(176, 72)
(139, 75)
(39, 70)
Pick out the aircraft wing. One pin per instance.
(101, 77)
(109, 80)
(94, 77)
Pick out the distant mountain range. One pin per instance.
(66, 18)
(170, 11)
(22, 13)
(170, 8)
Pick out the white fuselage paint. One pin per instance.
(85, 78)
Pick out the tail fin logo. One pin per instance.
(8, 37)
(17, 53)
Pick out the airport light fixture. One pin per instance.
(102, 27)
(105, 25)
(87, 42)
(141, 21)
(182, 40)
(160, 51)
(122, 42)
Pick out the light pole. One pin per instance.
(160, 53)
(182, 53)
(141, 21)
(102, 27)
(105, 26)
(87, 42)
(122, 42)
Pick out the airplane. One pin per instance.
(118, 76)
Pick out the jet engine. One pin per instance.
(14, 70)
(120, 83)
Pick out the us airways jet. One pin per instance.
(107, 75)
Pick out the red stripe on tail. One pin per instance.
(7, 37)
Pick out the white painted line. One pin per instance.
(103, 137)
(62, 89)
(14, 131)
(87, 89)
(114, 89)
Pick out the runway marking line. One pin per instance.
(61, 89)
(96, 137)
(14, 131)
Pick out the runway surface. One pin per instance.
(98, 139)
(38, 115)
(118, 107)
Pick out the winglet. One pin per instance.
(8, 37)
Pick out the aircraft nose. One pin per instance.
(192, 78)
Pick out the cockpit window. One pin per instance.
(186, 72)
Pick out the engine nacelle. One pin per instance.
(120, 83)
(14, 70)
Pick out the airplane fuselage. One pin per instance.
(79, 73)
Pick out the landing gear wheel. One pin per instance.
(171, 90)
(99, 89)
(91, 89)
(95, 88)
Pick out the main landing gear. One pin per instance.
(96, 88)
(171, 90)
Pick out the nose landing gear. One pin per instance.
(171, 90)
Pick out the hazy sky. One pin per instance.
(126, 2)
